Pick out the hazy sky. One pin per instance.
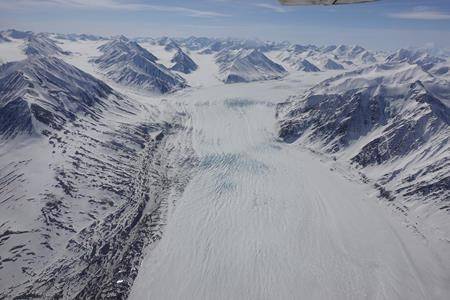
(386, 24)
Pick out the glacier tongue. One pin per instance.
(263, 220)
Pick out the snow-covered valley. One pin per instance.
(158, 179)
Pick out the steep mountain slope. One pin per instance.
(246, 66)
(126, 62)
(387, 119)
(42, 92)
(305, 66)
(85, 177)
(332, 65)
(183, 63)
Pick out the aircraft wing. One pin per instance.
(322, 2)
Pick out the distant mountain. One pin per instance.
(46, 92)
(183, 63)
(42, 45)
(415, 56)
(332, 65)
(78, 37)
(33, 44)
(247, 65)
(305, 66)
(329, 57)
(126, 62)
(215, 45)
(16, 34)
(171, 45)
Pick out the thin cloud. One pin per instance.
(275, 8)
(108, 5)
(422, 13)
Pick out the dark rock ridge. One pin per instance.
(305, 66)
(333, 65)
(183, 63)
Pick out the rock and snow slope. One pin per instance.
(392, 121)
(126, 62)
(183, 63)
(48, 91)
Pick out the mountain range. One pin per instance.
(102, 136)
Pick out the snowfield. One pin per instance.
(180, 186)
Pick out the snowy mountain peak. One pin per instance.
(183, 63)
(47, 90)
(42, 45)
(331, 64)
(247, 65)
(123, 46)
(306, 66)
(126, 62)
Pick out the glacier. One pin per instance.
(209, 168)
